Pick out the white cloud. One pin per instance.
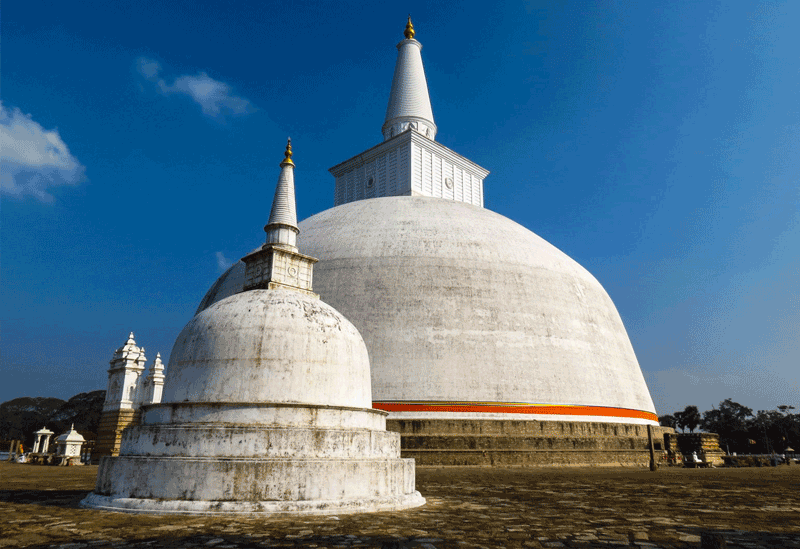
(214, 97)
(223, 263)
(32, 159)
(148, 68)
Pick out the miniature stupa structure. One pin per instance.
(69, 446)
(266, 407)
(488, 345)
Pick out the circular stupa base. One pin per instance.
(273, 508)
(469, 442)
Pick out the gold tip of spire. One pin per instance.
(409, 32)
(287, 156)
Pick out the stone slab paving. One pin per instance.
(751, 508)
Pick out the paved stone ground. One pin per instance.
(467, 508)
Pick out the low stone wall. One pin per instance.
(706, 445)
(525, 443)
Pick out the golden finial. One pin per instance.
(409, 32)
(288, 154)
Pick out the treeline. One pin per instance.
(740, 430)
(22, 417)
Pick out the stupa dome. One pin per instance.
(466, 313)
(278, 346)
(488, 345)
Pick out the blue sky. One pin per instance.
(658, 145)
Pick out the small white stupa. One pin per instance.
(267, 405)
(69, 446)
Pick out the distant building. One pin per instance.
(127, 390)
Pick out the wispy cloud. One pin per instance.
(215, 98)
(33, 159)
(223, 263)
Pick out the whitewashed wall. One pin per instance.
(407, 165)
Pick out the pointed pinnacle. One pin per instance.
(287, 155)
(284, 210)
(409, 32)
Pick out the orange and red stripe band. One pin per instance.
(513, 408)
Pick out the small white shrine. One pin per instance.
(69, 446)
(42, 441)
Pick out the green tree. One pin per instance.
(667, 420)
(679, 424)
(775, 430)
(730, 420)
(789, 426)
(688, 419)
(765, 430)
(691, 418)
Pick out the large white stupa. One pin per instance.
(266, 407)
(476, 327)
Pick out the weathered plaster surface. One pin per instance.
(269, 346)
(265, 413)
(247, 441)
(458, 303)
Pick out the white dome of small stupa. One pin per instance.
(270, 346)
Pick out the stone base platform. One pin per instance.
(286, 459)
(520, 443)
(253, 479)
(271, 508)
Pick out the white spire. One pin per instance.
(124, 377)
(282, 226)
(154, 385)
(409, 103)
(278, 264)
(128, 351)
(157, 369)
